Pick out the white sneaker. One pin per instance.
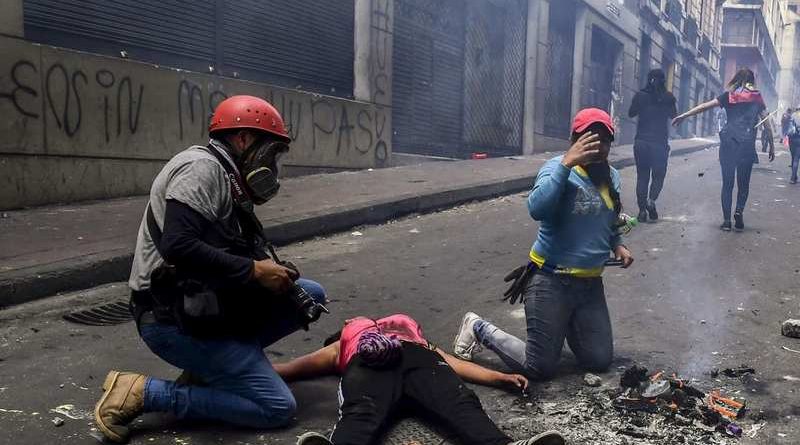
(465, 342)
(546, 438)
(312, 438)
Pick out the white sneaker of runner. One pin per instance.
(465, 343)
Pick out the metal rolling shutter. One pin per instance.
(428, 84)
(305, 43)
(292, 43)
(170, 32)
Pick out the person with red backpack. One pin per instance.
(746, 110)
(206, 295)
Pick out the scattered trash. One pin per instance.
(702, 322)
(734, 430)
(754, 429)
(5, 215)
(480, 155)
(58, 421)
(701, 174)
(791, 378)
(791, 328)
(791, 350)
(357, 233)
(592, 380)
(71, 412)
(414, 230)
(647, 409)
(738, 372)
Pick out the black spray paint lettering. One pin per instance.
(195, 104)
(364, 120)
(20, 88)
(381, 148)
(291, 112)
(105, 79)
(133, 120)
(192, 91)
(380, 32)
(316, 124)
(70, 89)
(344, 128)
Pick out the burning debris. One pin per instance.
(650, 408)
(673, 397)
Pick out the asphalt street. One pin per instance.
(695, 299)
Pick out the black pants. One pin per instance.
(651, 169)
(736, 159)
(423, 382)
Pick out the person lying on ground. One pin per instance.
(576, 199)
(387, 363)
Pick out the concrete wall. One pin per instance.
(80, 126)
(11, 22)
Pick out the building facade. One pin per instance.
(682, 37)
(789, 77)
(753, 37)
(101, 92)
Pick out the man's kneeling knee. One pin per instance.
(277, 413)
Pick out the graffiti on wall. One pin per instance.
(380, 46)
(316, 123)
(127, 110)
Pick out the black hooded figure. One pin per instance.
(655, 107)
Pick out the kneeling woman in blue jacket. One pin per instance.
(576, 200)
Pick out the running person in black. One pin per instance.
(655, 106)
(745, 109)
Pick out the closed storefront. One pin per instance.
(293, 43)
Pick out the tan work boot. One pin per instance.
(122, 401)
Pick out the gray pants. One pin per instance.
(556, 307)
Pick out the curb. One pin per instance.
(34, 283)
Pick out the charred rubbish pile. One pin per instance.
(651, 408)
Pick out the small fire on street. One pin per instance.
(658, 407)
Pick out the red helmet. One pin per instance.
(248, 112)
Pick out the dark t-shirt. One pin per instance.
(654, 116)
(742, 115)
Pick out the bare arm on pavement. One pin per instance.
(474, 373)
(319, 363)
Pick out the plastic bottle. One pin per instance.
(626, 223)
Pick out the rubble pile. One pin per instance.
(650, 409)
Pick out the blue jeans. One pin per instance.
(242, 387)
(556, 307)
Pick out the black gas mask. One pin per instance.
(259, 169)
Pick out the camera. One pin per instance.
(308, 310)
